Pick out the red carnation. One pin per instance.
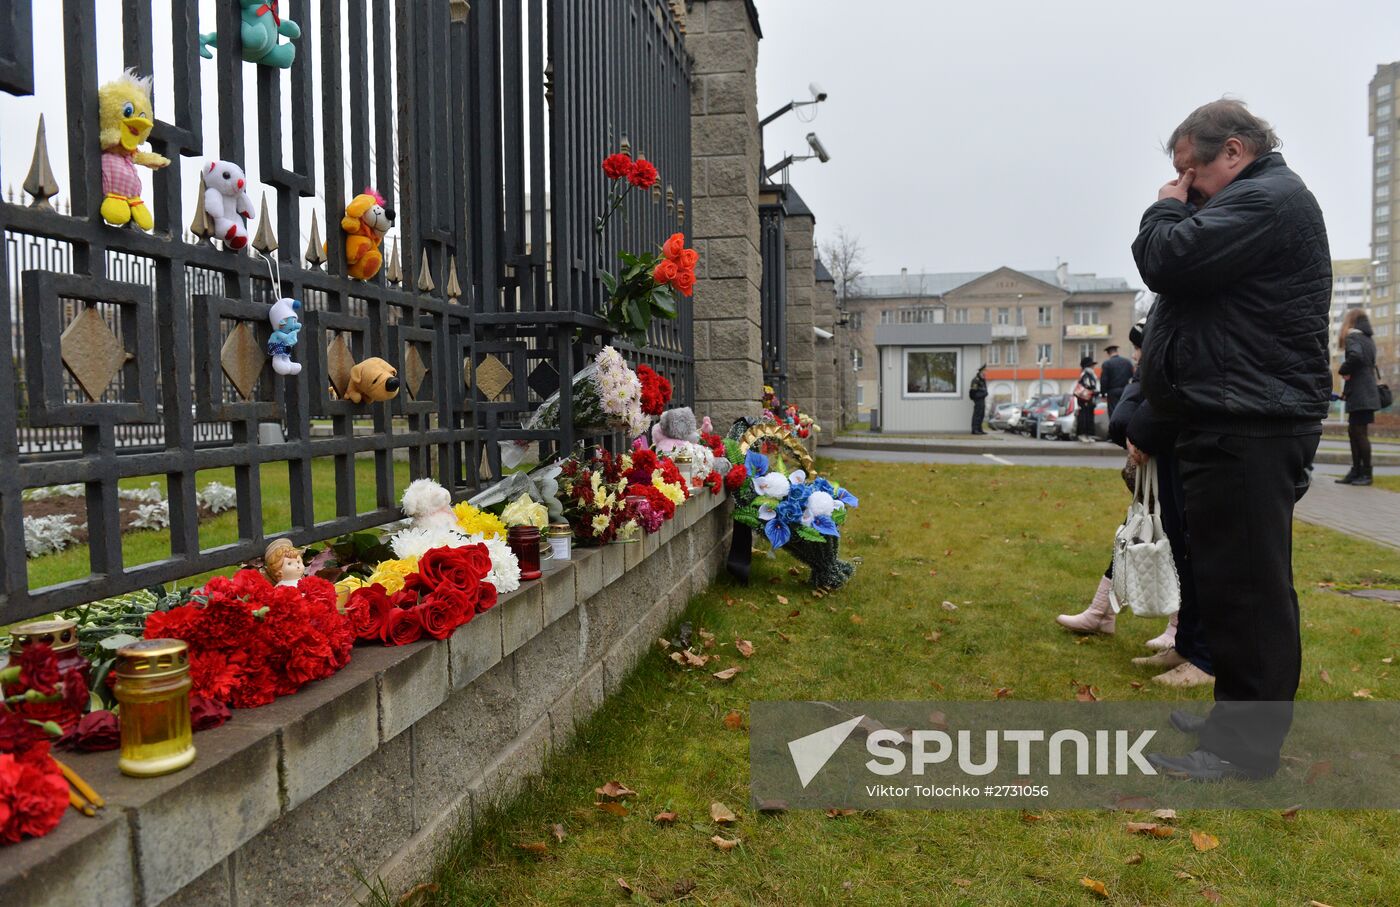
(734, 479)
(714, 482)
(617, 166)
(656, 393)
(643, 174)
(250, 584)
(38, 669)
(402, 627)
(645, 462)
(33, 797)
(318, 590)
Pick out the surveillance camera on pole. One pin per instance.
(817, 147)
(818, 95)
(818, 151)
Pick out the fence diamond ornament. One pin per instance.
(339, 362)
(92, 353)
(242, 359)
(492, 377)
(413, 371)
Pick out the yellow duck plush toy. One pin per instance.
(125, 120)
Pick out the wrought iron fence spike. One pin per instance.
(395, 273)
(40, 183)
(265, 240)
(425, 276)
(454, 289)
(315, 247)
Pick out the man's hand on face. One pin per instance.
(1179, 187)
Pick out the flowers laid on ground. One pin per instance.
(33, 791)
(473, 521)
(593, 489)
(787, 505)
(250, 641)
(525, 512)
(447, 589)
(607, 396)
(775, 410)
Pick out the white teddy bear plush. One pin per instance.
(429, 505)
(227, 203)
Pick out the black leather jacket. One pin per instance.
(1237, 341)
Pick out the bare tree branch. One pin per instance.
(845, 258)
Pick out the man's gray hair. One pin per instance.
(1211, 125)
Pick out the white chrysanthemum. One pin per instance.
(505, 568)
(415, 542)
(821, 504)
(773, 485)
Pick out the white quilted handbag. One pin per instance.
(1144, 573)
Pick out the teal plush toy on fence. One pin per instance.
(263, 26)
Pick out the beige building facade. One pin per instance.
(1384, 120)
(1042, 322)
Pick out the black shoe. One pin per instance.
(1362, 478)
(1202, 766)
(1187, 722)
(1348, 478)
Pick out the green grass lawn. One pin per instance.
(1390, 483)
(1011, 548)
(147, 546)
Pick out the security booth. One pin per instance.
(925, 372)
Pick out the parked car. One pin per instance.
(1045, 413)
(1064, 425)
(1005, 416)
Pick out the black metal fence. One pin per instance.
(772, 219)
(482, 125)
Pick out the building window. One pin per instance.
(994, 355)
(931, 373)
(886, 316)
(1086, 349)
(1383, 173)
(1383, 253)
(1382, 330)
(1382, 111)
(1042, 353)
(857, 360)
(1086, 314)
(1044, 315)
(1382, 91)
(1383, 212)
(959, 316)
(1383, 132)
(1382, 311)
(855, 321)
(1383, 151)
(1382, 232)
(1382, 274)
(860, 395)
(1383, 192)
(1003, 316)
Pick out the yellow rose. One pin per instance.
(391, 574)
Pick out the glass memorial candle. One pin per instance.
(153, 687)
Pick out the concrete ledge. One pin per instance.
(370, 769)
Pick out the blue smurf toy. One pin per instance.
(285, 326)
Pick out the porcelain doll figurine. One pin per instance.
(282, 563)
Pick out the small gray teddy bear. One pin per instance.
(675, 428)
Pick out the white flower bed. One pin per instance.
(48, 534)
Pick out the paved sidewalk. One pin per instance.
(1367, 513)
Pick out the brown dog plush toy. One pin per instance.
(366, 221)
(372, 381)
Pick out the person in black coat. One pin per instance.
(1236, 352)
(1361, 393)
(1086, 391)
(978, 394)
(1114, 376)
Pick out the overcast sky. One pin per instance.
(964, 136)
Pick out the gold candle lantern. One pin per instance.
(153, 687)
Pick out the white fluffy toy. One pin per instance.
(428, 505)
(227, 203)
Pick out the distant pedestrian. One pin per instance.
(1236, 352)
(1086, 391)
(1361, 392)
(1116, 372)
(978, 393)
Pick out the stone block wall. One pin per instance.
(722, 36)
(370, 770)
(827, 404)
(801, 286)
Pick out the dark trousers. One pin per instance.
(1239, 495)
(1084, 419)
(1190, 641)
(1113, 398)
(979, 411)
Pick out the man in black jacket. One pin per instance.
(1236, 352)
(1114, 376)
(978, 392)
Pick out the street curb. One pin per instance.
(1048, 449)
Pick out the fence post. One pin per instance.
(723, 37)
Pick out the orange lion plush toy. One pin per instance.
(365, 223)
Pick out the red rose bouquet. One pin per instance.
(251, 641)
(448, 589)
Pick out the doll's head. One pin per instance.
(282, 562)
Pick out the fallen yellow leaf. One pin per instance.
(617, 809)
(726, 674)
(664, 818)
(721, 813)
(615, 790)
(745, 647)
(1204, 841)
(724, 844)
(1154, 829)
(733, 720)
(1095, 886)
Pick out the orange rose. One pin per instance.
(688, 258)
(665, 272)
(674, 246)
(684, 282)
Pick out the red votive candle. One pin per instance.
(525, 542)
